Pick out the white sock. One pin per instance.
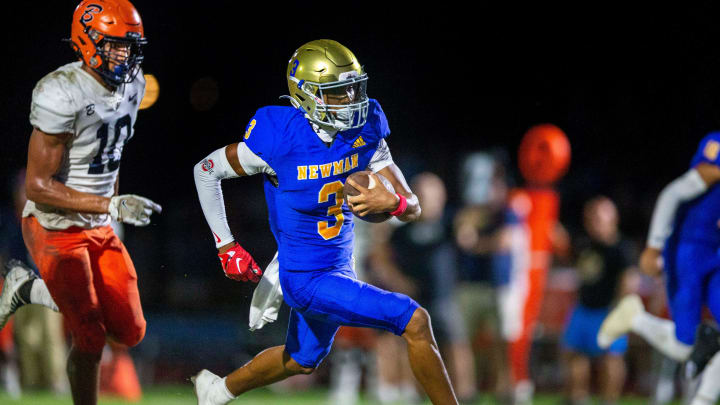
(39, 294)
(387, 393)
(219, 392)
(709, 390)
(346, 377)
(660, 333)
(408, 393)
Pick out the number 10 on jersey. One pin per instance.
(97, 166)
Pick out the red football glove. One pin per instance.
(239, 265)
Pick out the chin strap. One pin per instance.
(294, 102)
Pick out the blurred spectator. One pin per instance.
(38, 330)
(420, 261)
(353, 348)
(493, 284)
(603, 261)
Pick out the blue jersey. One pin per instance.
(311, 223)
(697, 220)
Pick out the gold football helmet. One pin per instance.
(328, 84)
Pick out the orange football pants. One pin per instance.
(92, 280)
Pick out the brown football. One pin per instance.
(363, 178)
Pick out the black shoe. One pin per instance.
(707, 343)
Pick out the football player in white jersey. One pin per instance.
(82, 116)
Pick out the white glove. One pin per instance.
(132, 209)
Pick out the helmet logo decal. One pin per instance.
(294, 69)
(348, 75)
(88, 14)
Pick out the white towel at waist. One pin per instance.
(267, 298)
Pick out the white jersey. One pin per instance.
(70, 100)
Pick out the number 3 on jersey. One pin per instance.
(326, 231)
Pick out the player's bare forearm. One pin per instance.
(232, 157)
(710, 173)
(651, 261)
(45, 155)
(224, 248)
(396, 178)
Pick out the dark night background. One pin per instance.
(634, 90)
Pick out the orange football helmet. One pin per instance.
(544, 154)
(108, 36)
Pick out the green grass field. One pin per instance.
(183, 395)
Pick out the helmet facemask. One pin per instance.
(341, 105)
(123, 53)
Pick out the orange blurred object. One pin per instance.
(118, 377)
(541, 221)
(544, 155)
(349, 337)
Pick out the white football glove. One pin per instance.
(132, 209)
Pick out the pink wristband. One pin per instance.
(401, 207)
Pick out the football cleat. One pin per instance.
(619, 320)
(203, 382)
(707, 343)
(16, 274)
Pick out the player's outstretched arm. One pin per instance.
(45, 155)
(221, 164)
(686, 187)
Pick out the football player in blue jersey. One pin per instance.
(684, 242)
(306, 152)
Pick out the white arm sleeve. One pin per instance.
(208, 173)
(381, 158)
(684, 188)
(252, 163)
